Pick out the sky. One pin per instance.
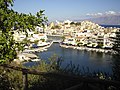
(68, 9)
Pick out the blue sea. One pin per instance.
(107, 26)
(96, 61)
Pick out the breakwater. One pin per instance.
(88, 49)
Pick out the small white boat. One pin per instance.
(45, 49)
(37, 59)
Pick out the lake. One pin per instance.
(96, 61)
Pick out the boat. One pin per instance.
(34, 60)
(30, 57)
(42, 44)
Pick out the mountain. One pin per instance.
(107, 20)
(103, 20)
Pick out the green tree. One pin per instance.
(78, 24)
(100, 45)
(72, 23)
(11, 21)
(43, 40)
(56, 27)
(63, 38)
(80, 44)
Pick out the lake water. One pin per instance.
(96, 61)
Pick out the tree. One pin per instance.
(11, 21)
(63, 38)
(78, 23)
(56, 27)
(72, 23)
(80, 44)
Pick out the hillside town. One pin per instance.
(80, 34)
(85, 33)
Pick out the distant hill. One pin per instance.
(103, 20)
(107, 20)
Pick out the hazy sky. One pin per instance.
(68, 9)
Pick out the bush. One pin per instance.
(12, 80)
(100, 45)
(80, 44)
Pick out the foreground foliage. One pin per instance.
(12, 80)
(11, 21)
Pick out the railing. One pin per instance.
(84, 82)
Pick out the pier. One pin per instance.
(88, 49)
(56, 41)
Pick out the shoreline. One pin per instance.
(39, 49)
(88, 49)
(27, 52)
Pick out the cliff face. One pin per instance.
(107, 20)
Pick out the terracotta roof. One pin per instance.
(68, 36)
(41, 34)
(79, 37)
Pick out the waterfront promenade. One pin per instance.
(88, 49)
(28, 54)
(44, 48)
(39, 49)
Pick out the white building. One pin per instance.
(19, 36)
(108, 43)
(39, 29)
(69, 40)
